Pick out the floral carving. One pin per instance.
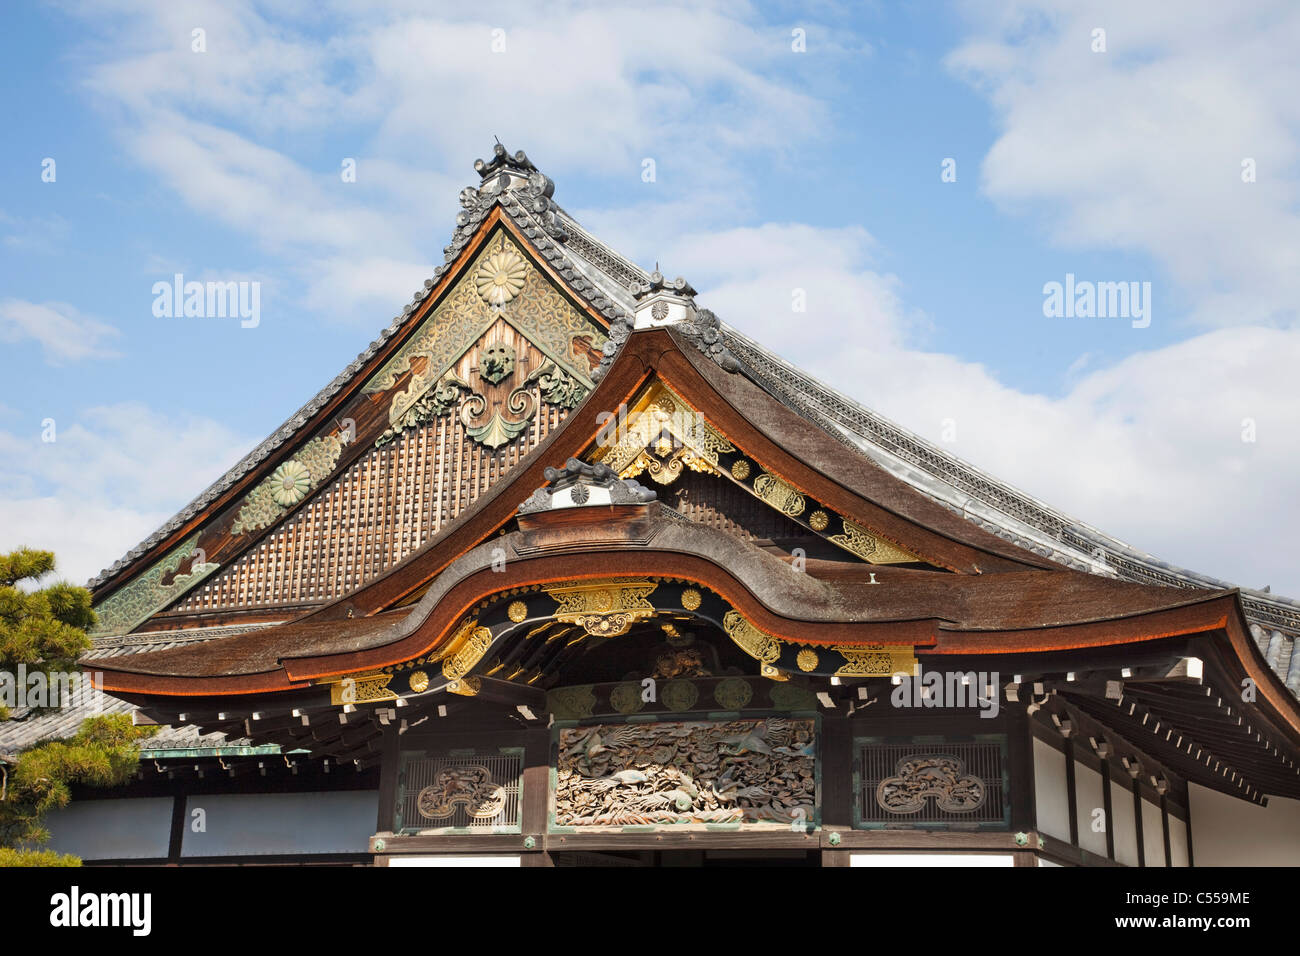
(500, 277)
(470, 786)
(290, 482)
(435, 403)
(134, 602)
(559, 388)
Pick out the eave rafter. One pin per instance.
(1170, 707)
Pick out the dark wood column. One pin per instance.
(837, 785)
(1020, 760)
(1109, 810)
(390, 766)
(535, 817)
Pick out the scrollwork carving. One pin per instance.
(925, 777)
(470, 786)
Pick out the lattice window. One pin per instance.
(916, 782)
(476, 792)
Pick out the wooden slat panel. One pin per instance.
(386, 505)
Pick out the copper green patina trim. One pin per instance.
(135, 601)
(271, 750)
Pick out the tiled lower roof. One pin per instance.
(21, 732)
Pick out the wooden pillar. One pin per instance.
(1108, 808)
(1072, 792)
(179, 820)
(1164, 825)
(836, 755)
(1137, 824)
(536, 795)
(390, 765)
(1020, 767)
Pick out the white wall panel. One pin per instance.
(258, 824)
(1051, 798)
(1178, 841)
(452, 860)
(1153, 834)
(125, 829)
(1089, 796)
(1227, 831)
(1123, 824)
(931, 859)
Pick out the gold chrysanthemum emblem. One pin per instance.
(290, 483)
(500, 277)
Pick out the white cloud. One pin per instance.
(64, 333)
(107, 481)
(588, 87)
(1140, 148)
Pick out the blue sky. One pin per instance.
(774, 170)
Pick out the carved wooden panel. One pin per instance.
(761, 771)
(958, 784)
(479, 791)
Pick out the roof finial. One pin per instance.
(501, 160)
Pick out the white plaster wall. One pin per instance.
(1051, 798)
(1177, 841)
(247, 824)
(1153, 834)
(1089, 796)
(123, 829)
(1122, 824)
(455, 861)
(1231, 832)
(931, 859)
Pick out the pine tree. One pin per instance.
(44, 631)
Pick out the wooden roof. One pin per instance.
(388, 547)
